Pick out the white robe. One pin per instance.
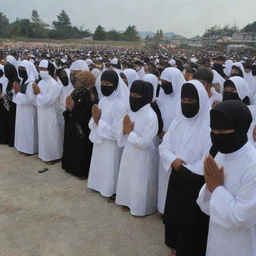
(26, 130)
(106, 153)
(137, 181)
(168, 106)
(61, 102)
(232, 207)
(50, 143)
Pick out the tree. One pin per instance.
(35, 17)
(4, 23)
(113, 35)
(62, 27)
(99, 34)
(39, 27)
(20, 28)
(131, 34)
(250, 27)
(217, 31)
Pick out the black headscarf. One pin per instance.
(144, 89)
(230, 115)
(232, 95)
(190, 110)
(240, 72)
(110, 76)
(12, 76)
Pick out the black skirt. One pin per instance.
(186, 226)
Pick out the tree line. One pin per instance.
(61, 28)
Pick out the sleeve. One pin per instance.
(203, 200)
(49, 98)
(165, 151)
(235, 212)
(145, 140)
(112, 131)
(197, 167)
(23, 99)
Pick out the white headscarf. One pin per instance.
(12, 60)
(122, 90)
(3, 80)
(241, 86)
(168, 103)
(239, 65)
(228, 67)
(131, 76)
(154, 81)
(96, 72)
(79, 65)
(189, 138)
(29, 70)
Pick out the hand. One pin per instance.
(214, 176)
(16, 87)
(215, 103)
(96, 113)
(254, 133)
(128, 125)
(177, 163)
(161, 134)
(70, 103)
(36, 88)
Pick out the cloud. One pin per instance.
(185, 17)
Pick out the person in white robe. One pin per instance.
(228, 66)
(66, 90)
(251, 81)
(106, 131)
(47, 92)
(26, 130)
(137, 180)
(130, 76)
(229, 195)
(168, 100)
(182, 152)
(139, 69)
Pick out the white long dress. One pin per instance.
(26, 130)
(137, 181)
(107, 150)
(232, 207)
(50, 143)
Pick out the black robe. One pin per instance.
(4, 138)
(186, 226)
(77, 149)
(155, 107)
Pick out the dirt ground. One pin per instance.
(54, 214)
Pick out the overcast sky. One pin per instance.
(184, 17)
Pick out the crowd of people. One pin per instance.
(169, 131)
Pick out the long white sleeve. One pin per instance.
(165, 152)
(113, 130)
(234, 212)
(146, 139)
(49, 98)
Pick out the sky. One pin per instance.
(184, 17)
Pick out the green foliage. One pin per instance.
(4, 24)
(250, 27)
(61, 29)
(217, 31)
(99, 34)
(131, 34)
